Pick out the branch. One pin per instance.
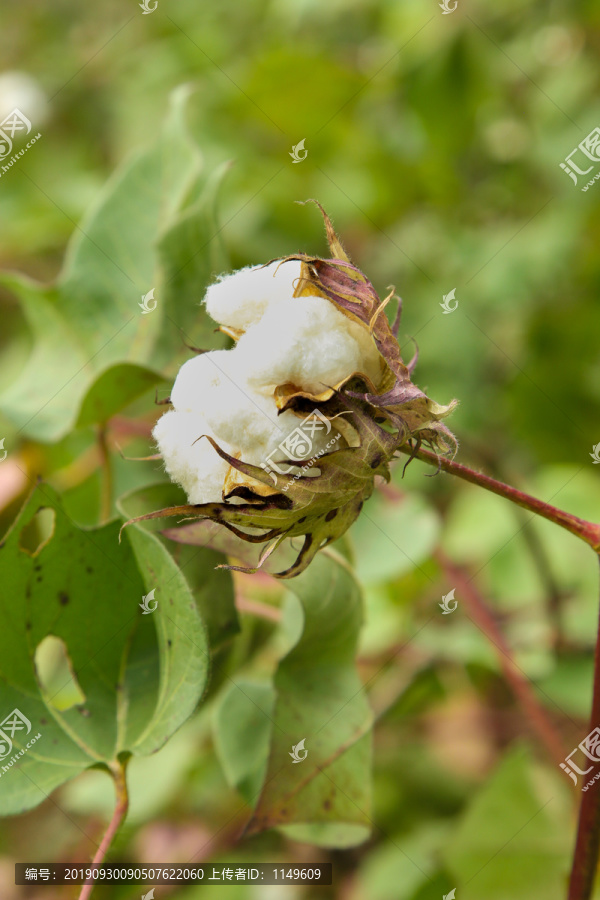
(587, 531)
(587, 845)
(121, 807)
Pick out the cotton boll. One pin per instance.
(237, 413)
(197, 377)
(241, 299)
(302, 340)
(192, 463)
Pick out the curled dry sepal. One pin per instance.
(346, 376)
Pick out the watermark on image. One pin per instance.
(451, 895)
(149, 895)
(447, 308)
(145, 604)
(446, 601)
(147, 9)
(595, 454)
(446, 10)
(13, 723)
(148, 302)
(297, 150)
(297, 751)
(298, 446)
(4, 452)
(589, 150)
(589, 747)
(14, 123)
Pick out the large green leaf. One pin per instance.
(211, 585)
(142, 675)
(320, 699)
(153, 226)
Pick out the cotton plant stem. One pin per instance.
(587, 531)
(121, 807)
(587, 844)
(521, 687)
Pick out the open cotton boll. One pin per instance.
(241, 299)
(197, 467)
(237, 413)
(302, 340)
(199, 376)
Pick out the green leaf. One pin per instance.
(113, 390)
(125, 246)
(190, 253)
(513, 841)
(212, 587)
(141, 675)
(242, 728)
(320, 699)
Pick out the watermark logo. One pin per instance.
(148, 302)
(298, 445)
(4, 452)
(147, 10)
(589, 746)
(149, 895)
(15, 721)
(14, 121)
(589, 149)
(297, 150)
(451, 895)
(446, 601)
(447, 9)
(447, 308)
(145, 604)
(595, 455)
(297, 750)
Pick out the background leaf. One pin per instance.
(142, 676)
(320, 698)
(112, 260)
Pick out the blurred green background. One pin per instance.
(434, 143)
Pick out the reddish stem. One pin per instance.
(587, 531)
(121, 807)
(587, 845)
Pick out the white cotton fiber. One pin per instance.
(197, 376)
(240, 415)
(228, 394)
(197, 467)
(241, 299)
(302, 340)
